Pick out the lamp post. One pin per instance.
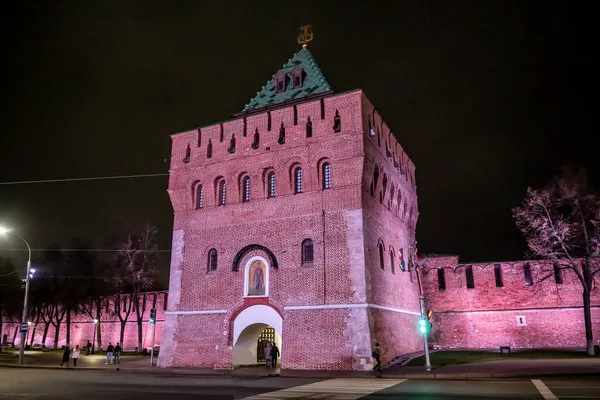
(24, 326)
(94, 339)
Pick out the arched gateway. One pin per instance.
(252, 328)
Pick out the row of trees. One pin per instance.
(70, 283)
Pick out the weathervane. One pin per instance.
(305, 35)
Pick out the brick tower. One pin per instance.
(294, 223)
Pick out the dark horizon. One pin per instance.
(487, 99)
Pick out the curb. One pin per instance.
(369, 375)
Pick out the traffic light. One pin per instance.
(152, 315)
(423, 325)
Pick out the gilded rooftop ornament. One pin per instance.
(305, 35)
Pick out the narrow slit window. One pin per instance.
(246, 189)
(221, 133)
(269, 121)
(231, 149)
(470, 280)
(337, 122)
(188, 152)
(498, 275)
(558, 274)
(209, 149)
(245, 132)
(381, 260)
(256, 140)
(326, 176)
(392, 262)
(441, 279)
(271, 181)
(527, 272)
(199, 137)
(281, 139)
(298, 180)
(308, 128)
(307, 252)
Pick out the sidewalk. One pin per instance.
(483, 370)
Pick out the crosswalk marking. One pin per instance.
(335, 389)
(543, 389)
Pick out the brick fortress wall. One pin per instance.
(545, 314)
(82, 327)
(389, 218)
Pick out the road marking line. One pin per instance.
(543, 389)
(574, 387)
(335, 389)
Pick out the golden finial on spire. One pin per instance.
(305, 35)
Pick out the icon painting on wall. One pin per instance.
(256, 281)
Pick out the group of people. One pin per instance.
(271, 355)
(113, 354)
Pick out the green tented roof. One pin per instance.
(314, 82)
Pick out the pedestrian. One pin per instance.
(117, 354)
(75, 355)
(268, 356)
(65, 357)
(109, 353)
(274, 355)
(88, 346)
(377, 356)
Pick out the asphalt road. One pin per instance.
(90, 385)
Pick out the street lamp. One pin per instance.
(94, 339)
(28, 275)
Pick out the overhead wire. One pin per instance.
(94, 178)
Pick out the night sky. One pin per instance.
(486, 98)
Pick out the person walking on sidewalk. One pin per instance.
(109, 353)
(75, 355)
(377, 356)
(88, 346)
(117, 354)
(66, 355)
(274, 355)
(268, 356)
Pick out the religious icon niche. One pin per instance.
(257, 279)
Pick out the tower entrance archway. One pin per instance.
(253, 328)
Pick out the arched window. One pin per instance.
(281, 139)
(337, 123)
(209, 149)
(298, 180)
(307, 252)
(222, 193)
(326, 176)
(188, 152)
(384, 188)
(256, 140)
(399, 203)
(392, 261)
(271, 192)
(199, 196)
(381, 261)
(212, 260)
(246, 189)
(391, 199)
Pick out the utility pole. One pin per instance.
(153, 323)
(424, 325)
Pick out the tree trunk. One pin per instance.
(139, 326)
(68, 328)
(122, 337)
(32, 334)
(56, 334)
(98, 325)
(15, 334)
(45, 335)
(587, 317)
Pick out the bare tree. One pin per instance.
(122, 306)
(138, 255)
(561, 224)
